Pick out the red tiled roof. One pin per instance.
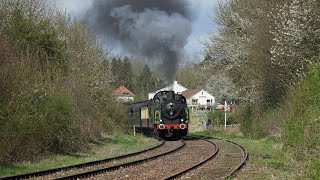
(190, 92)
(121, 91)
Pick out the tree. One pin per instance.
(243, 47)
(145, 78)
(127, 73)
(221, 87)
(296, 40)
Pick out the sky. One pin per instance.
(200, 26)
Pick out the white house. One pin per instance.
(199, 97)
(172, 86)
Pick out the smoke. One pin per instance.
(154, 29)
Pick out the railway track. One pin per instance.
(195, 153)
(192, 158)
(243, 161)
(232, 157)
(95, 172)
(77, 166)
(213, 155)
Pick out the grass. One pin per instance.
(196, 121)
(110, 147)
(267, 158)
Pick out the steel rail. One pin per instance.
(244, 152)
(243, 161)
(116, 167)
(213, 155)
(80, 165)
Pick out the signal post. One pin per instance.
(226, 108)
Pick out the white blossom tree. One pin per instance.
(222, 87)
(296, 39)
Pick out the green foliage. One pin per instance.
(119, 144)
(194, 75)
(127, 73)
(125, 140)
(217, 118)
(296, 121)
(40, 36)
(40, 123)
(145, 80)
(266, 155)
(55, 82)
(301, 131)
(62, 132)
(250, 125)
(268, 49)
(314, 169)
(145, 77)
(140, 82)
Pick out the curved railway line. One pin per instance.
(243, 161)
(89, 174)
(77, 166)
(171, 166)
(195, 157)
(213, 155)
(232, 157)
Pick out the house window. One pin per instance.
(194, 101)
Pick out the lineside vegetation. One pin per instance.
(55, 84)
(269, 51)
(265, 57)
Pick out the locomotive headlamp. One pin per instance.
(182, 120)
(161, 126)
(160, 120)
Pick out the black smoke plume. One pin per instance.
(152, 29)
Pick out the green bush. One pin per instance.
(55, 87)
(61, 132)
(251, 124)
(40, 35)
(301, 130)
(217, 118)
(37, 124)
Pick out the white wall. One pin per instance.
(202, 97)
(125, 98)
(177, 88)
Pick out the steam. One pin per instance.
(153, 29)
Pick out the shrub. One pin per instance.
(55, 85)
(301, 130)
(217, 118)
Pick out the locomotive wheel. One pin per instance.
(171, 108)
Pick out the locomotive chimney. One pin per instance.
(175, 83)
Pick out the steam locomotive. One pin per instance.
(166, 114)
